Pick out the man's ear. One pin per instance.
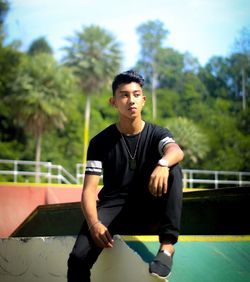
(112, 101)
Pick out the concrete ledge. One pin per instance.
(44, 259)
(34, 259)
(121, 264)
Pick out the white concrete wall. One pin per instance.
(45, 260)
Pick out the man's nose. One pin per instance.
(131, 99)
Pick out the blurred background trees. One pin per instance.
(95, 57)
(206, 107)
(39, 46)
(151, 38)
(40, 95)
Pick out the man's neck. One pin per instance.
(130, 127)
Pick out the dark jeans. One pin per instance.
(146, 215)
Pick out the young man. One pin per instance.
(142, 192)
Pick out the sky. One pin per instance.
(204, 28)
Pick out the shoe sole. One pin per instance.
(160, 277)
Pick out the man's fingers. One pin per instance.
(106, 239)
(165, 187)
(110, 239)
(158, 183)
(153, 184)
(156, 186)
(160, 187)
(102, 237)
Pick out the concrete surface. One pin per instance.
(45, 260)
(197, 259)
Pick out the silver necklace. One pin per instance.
(132, 160)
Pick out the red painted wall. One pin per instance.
(17, 201)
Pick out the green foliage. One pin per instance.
(191, 138)
(243, 122)
(169, 105)
(151, 37)
(11, 150)
(95, 57)
(226, 141)
(4, 8)
(202, 106)
(169, 67)
(10, 59)
(39, 95)
(12, 137)
(41, 87)
(39, 46)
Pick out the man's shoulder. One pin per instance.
(108, 132)
(154, 127)
(157, 130)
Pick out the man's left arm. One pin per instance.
(158, 183)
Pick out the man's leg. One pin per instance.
(82, 257)
(170, 207)
(85, 252)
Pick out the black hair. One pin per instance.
(127, 77)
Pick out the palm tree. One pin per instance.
(151, 38)
(95, 58)
(39, 97)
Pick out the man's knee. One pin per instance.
(175, 171)
(175, 176)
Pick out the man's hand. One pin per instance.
(158, 183)
(101, 236)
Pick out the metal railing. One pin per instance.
(193, 178)
(26, 171)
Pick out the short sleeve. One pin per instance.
(94, 160)
(165, 137)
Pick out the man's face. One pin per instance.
(129, 100)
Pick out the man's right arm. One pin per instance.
(98, 231)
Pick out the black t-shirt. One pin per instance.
(109, 156)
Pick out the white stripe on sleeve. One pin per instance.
(163, 143)
(94, 167)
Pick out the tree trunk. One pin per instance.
(154, 102)
(86, 128)
(38, 156)
(244, 104)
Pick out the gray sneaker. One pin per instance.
(161, 265)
